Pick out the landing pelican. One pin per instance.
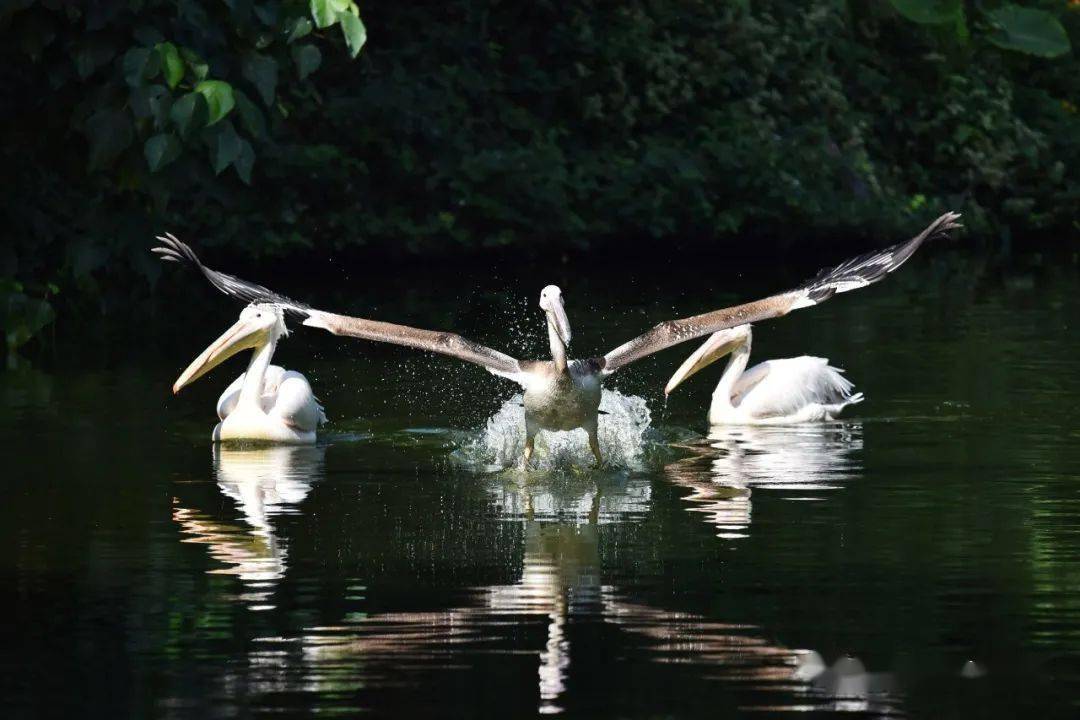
(267, 402)
(775, 392)
(562, 394)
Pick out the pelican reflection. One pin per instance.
(263, 482)
(561, 595)
(725, 467)
(846, 686)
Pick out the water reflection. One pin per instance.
(558, 583)
(560, 579)
(846, 685)
(724, 467)
(419, 588)
(263, 482)
(551, 614)
(596, 498)
(560, 598)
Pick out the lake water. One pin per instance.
(919, 558)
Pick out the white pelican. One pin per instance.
(775, 392)
(563, 394)
(266, 402)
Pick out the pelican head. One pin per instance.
(717, 345)
(551, 302)
(259, 325)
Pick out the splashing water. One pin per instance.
(624, 422)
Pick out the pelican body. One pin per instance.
(774, 392)
(267, 402)
(562, 394)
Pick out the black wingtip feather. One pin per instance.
(172, 249)
(873, 266)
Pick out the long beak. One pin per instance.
(717, 346)
(241, 336)
(558, 318)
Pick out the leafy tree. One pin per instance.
(120, 108)
(478, 125)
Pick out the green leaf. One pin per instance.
(24, 317)
(219, 98)
(109, 133)
(928, 12)
(267, 13)
(140, 98)
(140, 64)
(262, 72)
(1027, 30)
(199, 67)
(340, 5)
(354, 31)
(250, 115)
(323, 13)
(91, 55)
(301, 27)
(245, 161)
(151, 101)
(160, 106)
(264, 39)
(190, 113)
(307, 59)
(225, 147)
(148, 35)
(172, 64)
(161, 150)
(86, 255)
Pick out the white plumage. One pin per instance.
(788, 390)
(562, 394)
(285, 394)
(267, 402)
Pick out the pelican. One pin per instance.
(775, 392)
(563, 394)
(267, 402)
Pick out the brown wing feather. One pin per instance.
(444, 343)
(673, 332)
(849, 275)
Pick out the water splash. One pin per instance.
(624, 430)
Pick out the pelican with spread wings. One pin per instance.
(564, 394)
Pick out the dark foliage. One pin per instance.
(466, 126)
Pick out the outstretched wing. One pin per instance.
(850, 275)
(172, 250)
(444, 343)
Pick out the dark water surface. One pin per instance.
(920, 558)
